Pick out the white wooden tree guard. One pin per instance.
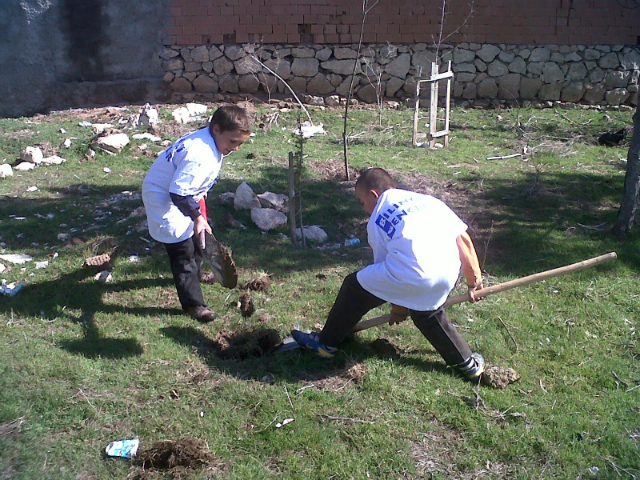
(433, 105)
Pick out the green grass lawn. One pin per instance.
(84, 363)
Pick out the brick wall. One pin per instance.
(589, 22)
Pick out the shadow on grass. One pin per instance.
(292, 365)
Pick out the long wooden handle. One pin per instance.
(501, 287)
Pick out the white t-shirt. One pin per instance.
(415, 254)
(189, 167)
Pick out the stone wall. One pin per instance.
(596, 75)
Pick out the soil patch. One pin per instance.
(499, 377)
(259, 284)
(246, 343)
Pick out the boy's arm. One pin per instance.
(191, 208)
(470, 265)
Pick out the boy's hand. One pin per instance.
(201, 225)
(472, 292)
(398, 314)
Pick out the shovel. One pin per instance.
(290, 344)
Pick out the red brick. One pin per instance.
(175, 11)
(310, 19)
(293, 38)
(291, 28)
(329, 29)
(242, 37)
(296, 19)
(332, 38)
(279, 28)
(213, 11)
(317, 29)
(318, 38)
(278, 37)
(242, 19)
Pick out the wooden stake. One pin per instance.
(292, 199)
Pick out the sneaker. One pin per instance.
(473, 368)
(202, 313)
(208, 278)
(311, 341)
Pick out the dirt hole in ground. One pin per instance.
(184, 453)
(243, 344)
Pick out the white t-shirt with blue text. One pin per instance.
(415, 254)
(189, 167)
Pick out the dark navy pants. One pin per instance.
(353, 302)
(186, 260)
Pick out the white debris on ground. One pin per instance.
(6, 170)
(313, 233)
(112, 143)
(308, 130)
(267, 219)
(17, 258)
(245, 199)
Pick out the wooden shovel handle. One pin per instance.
(501, 287)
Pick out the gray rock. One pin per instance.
(591, 54)
(617, 79)
(207, 67)
(247, 65)
(488, 53)
(113, 143)
(550, 91)
(181, 85)
(596, 75)
(319, 85)
(573, 92)
(312, 233)
(387, 52)
(222, 66)
(214, 53)
(480, 65)
(557, 58)
(276, 201)
(400, 66)
(393, 85)
(470, 91)
(173, 64)
(245, 199)
(303, 52)
(280, 66)
(497, 69)
(610, 60)
(506, 57)
(333, 101)
(551, 73)
(423, 61)
(577, 71)
(463, 56)
(509, 86)
(367, 94)
(464, 67)
(324, 54)
(200, 54)
(298, 84)
(535, 68)
(185, 53)
(617, 96)
(234, 52)
(518, 65)
(464, 77)
(205, 84)
(267, 218)
(342, 53)
(487, 88)
(341, 67)
(594, 94)
(540, 54)
(630, 60)
(228, 83)
(192, 66)
(248, 83)
(304, 67)
(572, 57)
(168, 53)
(32, 155)
(525, 53)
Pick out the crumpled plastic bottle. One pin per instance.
(123, 448)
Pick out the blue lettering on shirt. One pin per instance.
(389, 219)
(173, 149)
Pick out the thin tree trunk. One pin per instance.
(629, 205)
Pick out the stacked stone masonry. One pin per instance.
(595, 75)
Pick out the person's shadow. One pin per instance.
(73, 292)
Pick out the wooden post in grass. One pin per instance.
(292, 199)
(433, 79)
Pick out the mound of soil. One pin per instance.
(169, 454)
(258, 284)
(499, 377)
(246, 343)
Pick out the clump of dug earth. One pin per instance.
(243, 344)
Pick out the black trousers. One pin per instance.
(186, 259)
(353, 302)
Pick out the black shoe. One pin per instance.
(202, 313)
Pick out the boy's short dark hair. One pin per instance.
(231, 118)
(375, 179)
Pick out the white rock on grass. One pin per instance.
(245, 198)
(32, 155)
(54, 160)
(196, 109)
(25, 166)
(5, 170)
(181, 115)
(312, 233)
(273, 200)
(112, 143)
(148, 116)
(267, 219)
(17, 258)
